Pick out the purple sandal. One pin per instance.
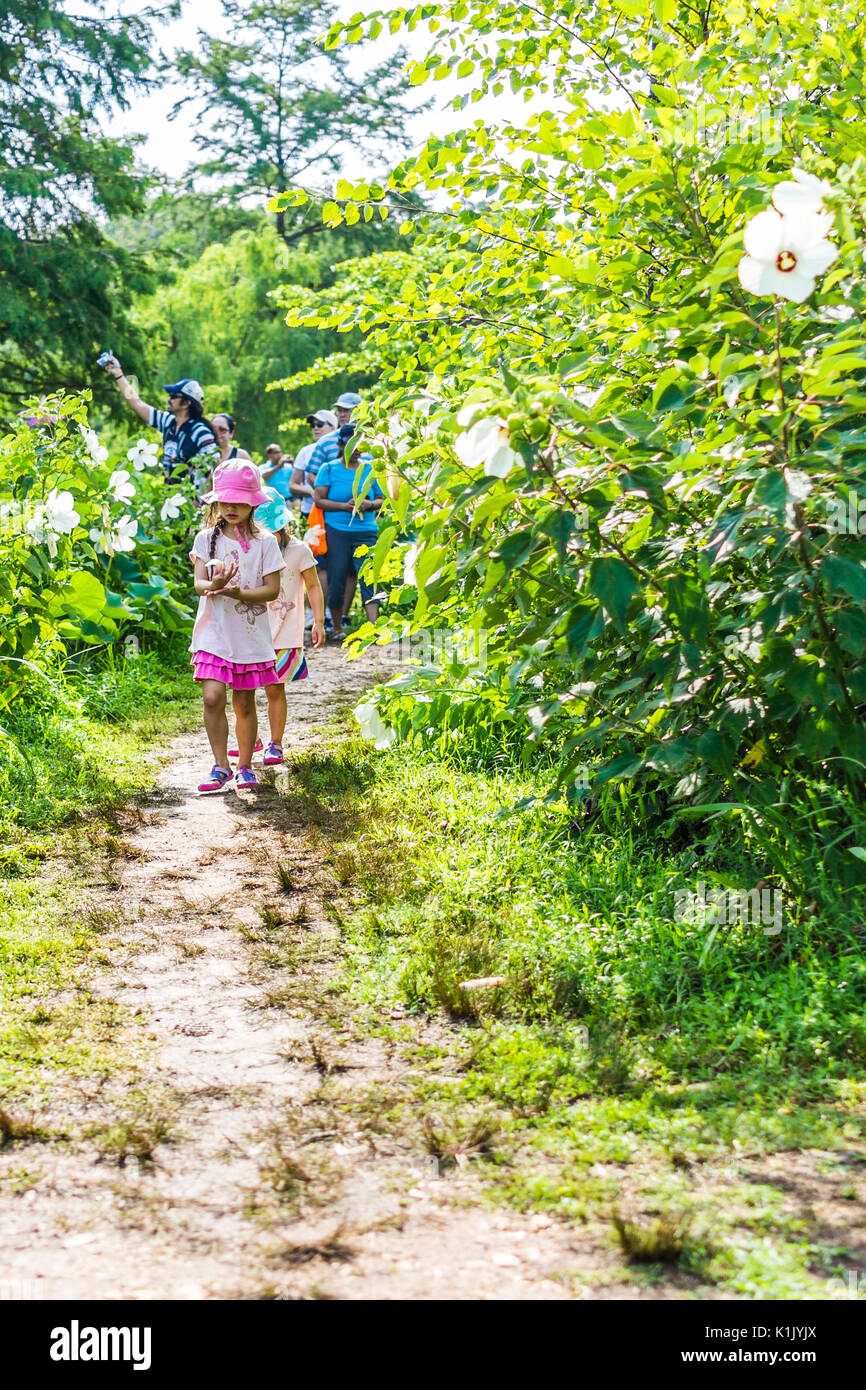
(217, 782)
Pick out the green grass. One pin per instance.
(621, 1037)
(81, 741)
(79, 753)
(582, 929)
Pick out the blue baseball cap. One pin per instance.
(350, 400)
(187, 386)
(273, 513)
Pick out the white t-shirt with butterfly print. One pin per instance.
(225, 627)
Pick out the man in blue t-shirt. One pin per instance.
(350, 520)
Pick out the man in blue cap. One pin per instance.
(345, 406)
(328, 448)
(186, 434)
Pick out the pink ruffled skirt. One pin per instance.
(240, 675)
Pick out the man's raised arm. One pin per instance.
(127, 390)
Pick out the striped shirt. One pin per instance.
(302, 463)
(179, 446)
(325, 450)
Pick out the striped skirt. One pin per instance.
(291, 665)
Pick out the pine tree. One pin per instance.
(63, 279)
(276, 104)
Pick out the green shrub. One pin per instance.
(641, 480)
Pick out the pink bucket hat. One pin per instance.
(236, 482)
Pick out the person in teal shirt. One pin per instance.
(349, 522)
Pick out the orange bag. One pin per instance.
(316, 518)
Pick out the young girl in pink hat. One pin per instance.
(286, 617)
(237, 574)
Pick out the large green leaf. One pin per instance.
(847, 575)
(613, 584)
(689, 606)
(81, 594)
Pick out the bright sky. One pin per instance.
(169, 146)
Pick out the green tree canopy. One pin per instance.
(219, 321)
(276, 103)
(178, 224)
(64, 281)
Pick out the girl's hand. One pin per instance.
(221, 581)
(318, 635)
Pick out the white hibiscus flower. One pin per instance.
(784, 254)
(171, 507)
(372, 726)
(487, 442)
(466, 414)
(120, 539)
(123, 536)
(804, 194)
(60, 512)
(121, 489)
(142, 455)
(837, 313)
(97, 451)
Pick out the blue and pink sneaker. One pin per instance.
(245, 777)
(273, 755)
(217, 782)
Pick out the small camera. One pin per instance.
(104, 358)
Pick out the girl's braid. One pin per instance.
(217, 529)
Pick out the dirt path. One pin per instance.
(248, 1158)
